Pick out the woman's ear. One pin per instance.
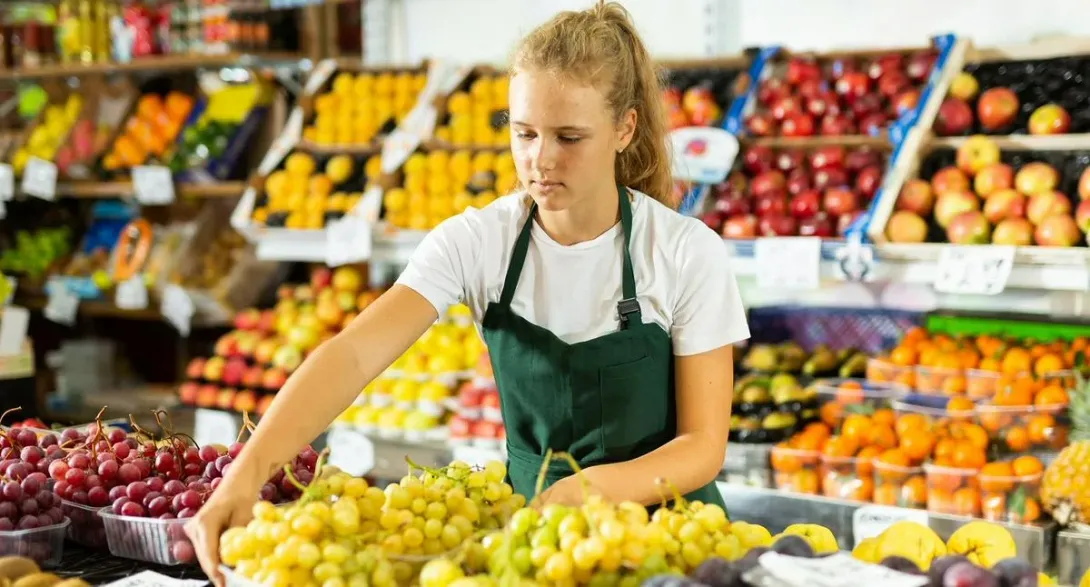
(626, 129)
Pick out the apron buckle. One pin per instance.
(626, 307)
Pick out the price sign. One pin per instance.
(788, 262)
(40, 179)
(153, 185)
(7, 182)
(132, 294)
(350, 451)
(62, 305)
(871, 520)
(981, 269)
(153, 579)
(348, 240)
(702, 154)
(13, 328)
(836, 570)
(215, 427)
(177, 308)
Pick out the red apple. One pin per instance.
(485, 430)
(195, 369)
(949, 179)
(1050, 119)
(1084, 185)
(767, 182)
(772, 205)
(873, 124)
(252, 378)
(740, 227)
(841, 66)
(1044, 204)
(206, 396)
(671, 97)
(906, 227)
(819, 225)
(891, 83)
(187, 392)
(788, 160)
(798, 181)
(831, 177)
(885, 64)
(868, 180)
(822, 103)
(976, 153)
(713, 219)
(785, 107)
(797, 124)
(460, 428)
(226, 398)
(906, 101)
(677, 118)
(734, 205)
(1082, 216)
(826, 157)
(226, 345)
(916, 196)
(321, 278)
(1058, 230)
(1013, 231)
(997, 108)
(853, 85)
(835, 125)
(802, 69)
(274, 379)
(955, 117)
(864, 105)
(247, 319)
(758, 159)
(993, 178)
(806, 204)
(952, 204)
(1036, 177)
(810, 88)
(233, 372)
(771, 89)
(969, 228)
(919, 65)
(839, 201)
(760, 124)
(1004, 204)
(267, 323)
(861, 157)
(778, 225)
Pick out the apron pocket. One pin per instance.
(634, 397)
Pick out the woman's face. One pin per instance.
(563, 138)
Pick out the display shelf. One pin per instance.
(116, 189)
(156, 64)
(1072, 556)
(106, 309)
(776, 510)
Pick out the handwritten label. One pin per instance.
(153, 579)
(132, 294)
(350, 451)
(837, 570)
(871, 520)
(348, 240)
(153, 185)
(62, 305)
(702, 154)
(981, 269)
(14, 322)
(7, 182)
(788, 262)
(40, 179)
(215, 427)
(177, 308)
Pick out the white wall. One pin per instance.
(486, 30)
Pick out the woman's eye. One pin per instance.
(570, 139)
(524, 135)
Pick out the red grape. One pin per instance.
(121, 450)
(108, 470)
(75, 477)
(128, 473)
(117, 493)
(132, 509)
(97, 497)
(57, 470)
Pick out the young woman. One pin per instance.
(609, 317)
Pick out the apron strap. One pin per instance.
(628, 309)
(518, 258)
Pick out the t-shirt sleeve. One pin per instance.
(708, 313)
(439, 266)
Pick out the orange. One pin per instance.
(989, 364)
(917, 444)
(975, 435)
(997, 477)
(882, 436)
(907, 422)
(894, 457)
(808, 442)
(784, 460)
(967, 501)
(1027, 465)
(948, 361)
(1031, 510)
(857, 427)
(944, 449)
(850, 392)
(818, 429)
(968, 456)
(864, 464)
(806, 481)
(903, 356)
(960, 404)
(914, 491)
(831, 413)
(886, 494)
(1051, 395)
(840, 446)
(1017, 439)
(861, 489)
(970, 359)
(884, 416)
(1018, 393)
(1048, 363)
(1040, 428)
(914, 335)
(1016, 360)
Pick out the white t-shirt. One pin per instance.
(684, 280)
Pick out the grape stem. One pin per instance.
(312, 493)
(679, 500)
(247, 426)
(5, 414)
(539, 485)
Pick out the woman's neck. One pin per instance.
(584, 221)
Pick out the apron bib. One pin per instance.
(605, 400)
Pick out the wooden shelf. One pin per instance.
(118, 189)
(152, 64)
(94, 309)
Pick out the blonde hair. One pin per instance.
(600, 45)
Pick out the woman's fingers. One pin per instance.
(204, 531)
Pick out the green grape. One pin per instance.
(355, 487)
(358, 580)
(307, 525)
(712, 518)
(588, 552)
(454, 498)
(463, 524)
(336, 553)
(345, 523)
(335, 485)
(418, 523)
(403, 572)
(383, 575)
(692, 554)
(690, 531)
(412, 538)
(521, 560)
(247, 567)
(393, 544)
(375, 496)
(320, 510)
(419, 505)
(308, 555)
(569, 540)
(277, 578)
(611, 560)
(468, 509)
(574, 523)
(432, 546)
(450, 537)
(433, 528)
(435, 511)
(390, 519)
(285, 554)
(476, 480)
(397, 497)
(492, 492)
(558, 567)
(546, 536)
(522, 521)
(264, 510)
(633, 552)
(540, 554)
(612, 532)
(326, 570)
(433, 493)
(331, 582)
(439, 573)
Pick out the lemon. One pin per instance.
(461, 201)
(419, 221)
(483, 199)
(343, 84)
(502, 138)
(325, 104)
(434, 391)
(484, 161)
(405, 390)
(414, 364)
(500, 87)
(481, 88)
(310, 133)
(459, 103)
(443, 134)
(339, 168)
(390, 417)
(373, 167)
(364, 85)
(416, 163)
(416, 182)
(484, 137)
(384, 83)
(418, 203)
(398, 219)
(299, 164)
(439, 185)
(395, 200)
(506, 183)
(444, 363)
(366, 415)
(320, 185)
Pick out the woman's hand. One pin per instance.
(230, 505)
(571, 491)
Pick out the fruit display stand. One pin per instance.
(1072, 555)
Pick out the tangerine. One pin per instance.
(960, 404)
(1031, 510)
(894, 457)
(1027, 465)
(1048, 363)
(831, 413)
(967, 501)
(968, 456)
(910, 421)
(886, 494)
(917, 444)
(1051, 395)
(914, 491)
(903, 356)
(882, 436)
(1016, 360)
(864, 460)
(857, 427)
(1017, 439)
(884, 416)
(840, 447)
(806, 481)
(997, 476)
(1040, 428)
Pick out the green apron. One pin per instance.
(604, 400)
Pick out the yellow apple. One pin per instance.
(983, 543)
(820, 538)
(751, 535)
(916, 542)
(865, 550)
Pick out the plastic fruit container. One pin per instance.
(940, 380)
(233, 579)
(952, 491)
(839, 397)
(1017, 429)
(1065, 378)
(880, 371)
(796, 469)
(86, 528)
(841, 479)
(148, 539)
(899, 486)
(45, 545)
(1008, 498)
(981, 384)
(934, 412)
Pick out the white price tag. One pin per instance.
(7, 182)
(871, 520)
(702, 154)
(177, 308)
(370, 205)
(153, 579)
(788, 262)
(837, 570)
(417, 126)
(322, 72)
(40, 179)
(348, 240)
(977, 269)
(350, 451)
(153, 185)
(14, 322)
(215, 427)
(62, 305)
(132, 294)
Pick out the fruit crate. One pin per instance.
(1038, 89)
(870, 93)
(147, 539)
(708, 92)
(473, 114)
(908, 223)
(45, 544)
